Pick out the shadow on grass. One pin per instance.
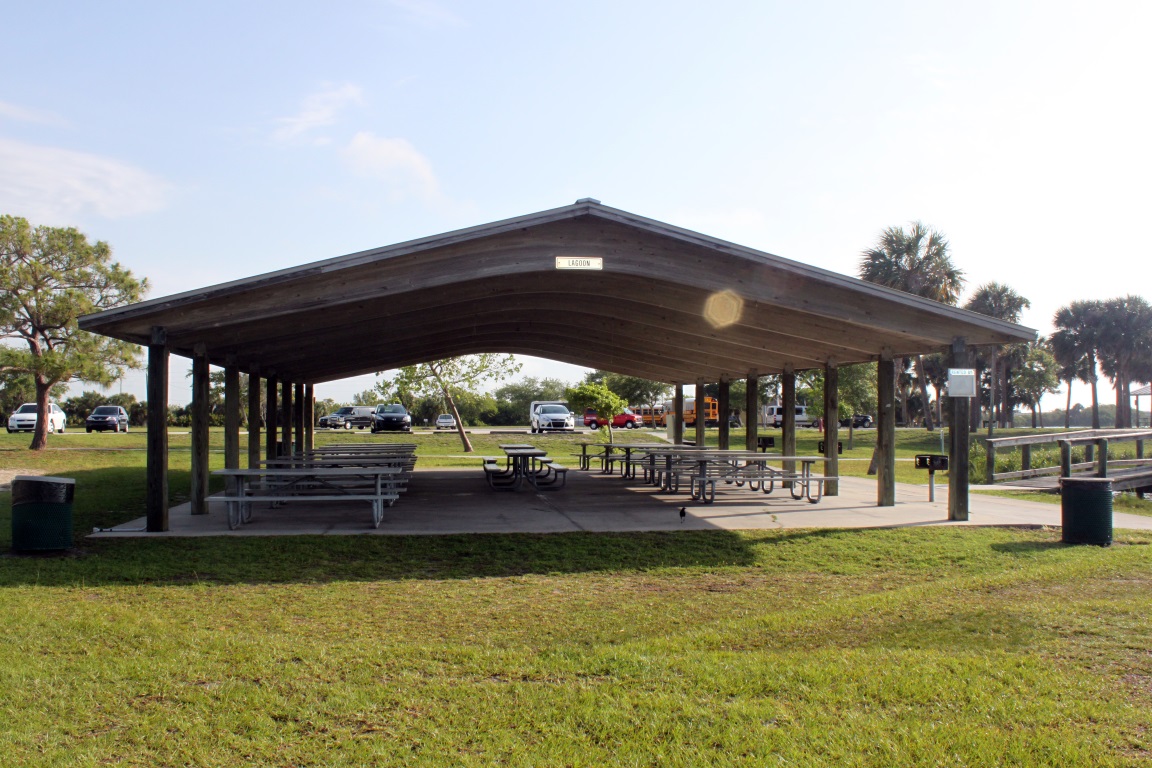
(285, 559)
(1028, 547)
(108, 496)
(109, 493)
(325, 559)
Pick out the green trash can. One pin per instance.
(1086, 510)
(42, 512)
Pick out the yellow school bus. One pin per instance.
(711, 411)
(652, 416)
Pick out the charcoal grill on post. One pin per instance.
(932, 462)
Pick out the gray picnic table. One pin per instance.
(381, 486)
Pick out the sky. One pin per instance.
(213, 141)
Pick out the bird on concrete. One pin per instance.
(683, 514)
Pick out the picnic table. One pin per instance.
(524, 462)
(600, 451)
(381, 486)
(622, 453)
(668, 466)
(404, 461)
(611, 454)
(657, 461)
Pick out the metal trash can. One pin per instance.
(42, 512)
(1086, 510)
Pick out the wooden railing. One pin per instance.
(1097, 440)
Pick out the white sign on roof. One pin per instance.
(579, 262)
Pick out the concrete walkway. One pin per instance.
(453, 501)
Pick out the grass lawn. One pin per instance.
(928, 646)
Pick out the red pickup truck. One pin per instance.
(627, 420)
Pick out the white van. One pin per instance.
(773, 416)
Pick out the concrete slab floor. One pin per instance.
(455, 501)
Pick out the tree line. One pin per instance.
(1113, 336)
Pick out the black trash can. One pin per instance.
(42, 512)
(1086, 510)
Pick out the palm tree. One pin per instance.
(1073, 365)
(1124, 340)
(936, 369)
(999, 301)
(916, 262)
(1076, 342)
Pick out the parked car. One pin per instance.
(359, 416)
(107, 417)
(626, 419)
(445, 421)
(535, 404)
(24, 418)
(331, 420)
(391, 418)
(552, 417)
(857, 420)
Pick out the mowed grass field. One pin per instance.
(907, 647)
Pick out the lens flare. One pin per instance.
(723, 309)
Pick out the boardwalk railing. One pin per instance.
(1097, 440)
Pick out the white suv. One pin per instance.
(24, 419)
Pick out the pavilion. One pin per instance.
(585, 284)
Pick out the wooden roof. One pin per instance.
(669, 304)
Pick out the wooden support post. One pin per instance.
(255, 416)
(959, 435)
(298, 416)
(309, 417)
(1025, 457)
(231, 417)
(722, 408)
(1102, 461)
(272, 412)
(989, 463)
(701, 413)
(200, 387)
(1139, 444)
(1065, 458)
(286, 418)
(156, 495)
(788, 404)
(886, 433)
(831, 429)
(678, 417)
(752, 411)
